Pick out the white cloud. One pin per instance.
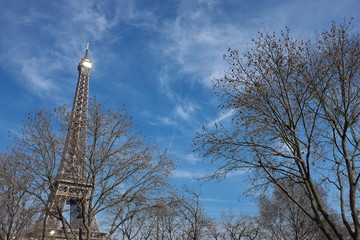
(200, 34)
(50, 40)
(197, 39)
(304, 17)
(38, 79)
(223, 116)
(239, 172)
(197, 174)
(165, 85)
(216, 200)
(167, 121)
(185, 110)
(188, 174)
(192, 158)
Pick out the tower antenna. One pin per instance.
(87, 48)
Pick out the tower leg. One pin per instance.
(75, 215)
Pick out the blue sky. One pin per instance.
(155, 57)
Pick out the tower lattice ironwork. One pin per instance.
(69, 197)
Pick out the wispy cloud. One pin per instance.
(201, 32)
(185, 110)
(167, 121)
(237, 173)
(200, 173)
(188, 174)
(192, 158)
(50, 39)
(223, 116)
(196, 40)
(38, 79)
(216, 200)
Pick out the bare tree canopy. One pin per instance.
(128, 174)
(280, 218)
(296, 118)
(18, 208)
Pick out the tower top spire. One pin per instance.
(85, 61)
(87, 48)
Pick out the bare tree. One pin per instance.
(126, 173)
(173, 218)
(160, 222)
(168, 218)
(281, 218)
(193, 216)
(239, 227)
(215, 230)
(142, 226)
(296, 117)
(17, 207)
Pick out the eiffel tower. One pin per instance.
(69, 196)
